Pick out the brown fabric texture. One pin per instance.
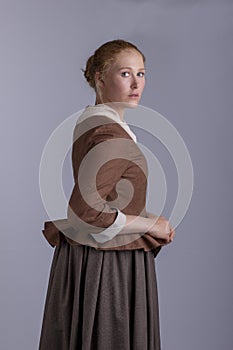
(86, 216)
(101, 300)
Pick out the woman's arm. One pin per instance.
(96, 176)
(156, 226)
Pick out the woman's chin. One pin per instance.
(131, 104)
(124, 104)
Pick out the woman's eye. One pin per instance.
(125, 74)
(141, 74)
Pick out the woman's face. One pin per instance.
(125, 79)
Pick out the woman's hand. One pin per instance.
(160, 229)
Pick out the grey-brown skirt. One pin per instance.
(101, 300)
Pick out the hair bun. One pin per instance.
(89, 71)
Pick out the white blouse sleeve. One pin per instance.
(112, 230)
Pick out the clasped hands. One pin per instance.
(160, 229)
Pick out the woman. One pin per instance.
(102, 292)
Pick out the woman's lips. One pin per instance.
(133, 95)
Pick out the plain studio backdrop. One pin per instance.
(188, 45)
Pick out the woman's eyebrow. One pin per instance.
(131, 68)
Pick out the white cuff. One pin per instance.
(112, 230)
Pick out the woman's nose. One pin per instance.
(134, 82)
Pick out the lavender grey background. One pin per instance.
(188, 45)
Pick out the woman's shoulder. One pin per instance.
(102, 120)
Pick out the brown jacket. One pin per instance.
(110, 172)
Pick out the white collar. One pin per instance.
(103, 109)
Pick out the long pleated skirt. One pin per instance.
(101, 300)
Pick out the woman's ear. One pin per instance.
(99, 79)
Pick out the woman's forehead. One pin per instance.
(128, 59)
